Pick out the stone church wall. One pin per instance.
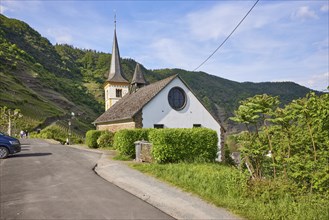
(139, 120)
(116, 127)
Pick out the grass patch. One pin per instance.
(122, 157)
(226, 187)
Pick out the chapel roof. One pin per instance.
(129, 105)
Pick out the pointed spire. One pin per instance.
(138, 76)
(138, 80)
(116, 73)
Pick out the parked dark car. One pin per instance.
(8, 145)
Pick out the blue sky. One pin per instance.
(278, 41)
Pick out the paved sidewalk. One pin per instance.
(171, 200)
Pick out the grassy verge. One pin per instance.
(58, 133)
(227, 187)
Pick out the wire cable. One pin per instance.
(227, 36)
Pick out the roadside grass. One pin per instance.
(122, 157)
(227, 187)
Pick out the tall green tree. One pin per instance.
(296, 135)
(255, 112)
(8, 117)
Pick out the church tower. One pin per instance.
(116, 85)
(138, 80)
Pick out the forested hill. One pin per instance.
(45, 80)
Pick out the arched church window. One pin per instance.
(177, 98)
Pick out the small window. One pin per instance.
(118, 92)
(196, 125)
(158, 126)
(177, 98)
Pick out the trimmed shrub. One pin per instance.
(183, 144)
(105, 139)
(91, 138)
(124, 140)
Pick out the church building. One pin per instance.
(168, 103)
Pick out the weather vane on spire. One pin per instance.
(115, 18)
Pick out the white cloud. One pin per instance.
(60, 35)
(325, 8)
(213, 23)
(304, 13)
(318, 82)
(19, 6)
(170, 52)
(3, 8)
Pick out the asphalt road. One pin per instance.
(49, 181)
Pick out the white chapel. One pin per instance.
(168, 103)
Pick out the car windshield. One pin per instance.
(3, 134)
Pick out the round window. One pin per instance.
(177, 98)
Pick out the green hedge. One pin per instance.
(183, 144)
(58, 133)
(124, 140)
(105, 139)
(91, 138)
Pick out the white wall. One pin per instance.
(110, 91)
(158, 111)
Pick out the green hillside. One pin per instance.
(48, 82)
(35, 79)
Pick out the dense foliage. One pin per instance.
(105, 140)
(124, 140)
(183, 144)
(290, 143)
(92, 137)
(170, 145)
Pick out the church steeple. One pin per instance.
(116, 73)
(138, 80)
(116, 85)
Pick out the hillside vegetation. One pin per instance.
(50, 81)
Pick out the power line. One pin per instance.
(227, 37)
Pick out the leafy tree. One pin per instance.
(255, 112)
(8, 117)
(297, 136)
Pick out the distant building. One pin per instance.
(168, 103)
